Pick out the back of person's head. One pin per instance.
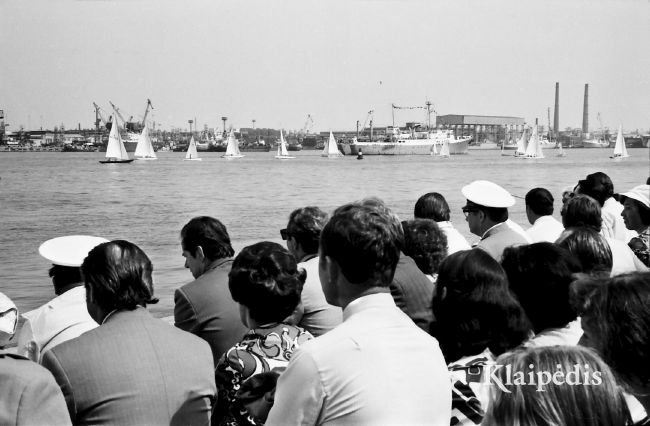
(540, 201)
(210, 234)
(582, 210)
(64, 276)
(598, 186)
(305, 225)
(540, 275)
(117, 275)
(554, 385)
(365, 239)
(426, 243)
(432, 206)
(589, 247)
(474, 308)
(615, 315)
(265, 278)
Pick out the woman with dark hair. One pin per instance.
(433, 206)
(561, 385)
(426, 244)
(477, 319)
(582, 210)
(589, 247)
(266, 283)
(616, 319)
(540, 275)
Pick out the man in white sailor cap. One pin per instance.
(66, 316)
(486, 212)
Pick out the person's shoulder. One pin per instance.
(21, 369)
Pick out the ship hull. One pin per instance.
(592, 144)
(401, 148)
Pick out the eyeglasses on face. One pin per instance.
(284, 233)
(467, 212)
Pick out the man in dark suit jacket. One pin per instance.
(204, 307)
(412, 292)
(133, 368)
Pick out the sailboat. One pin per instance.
(331, 149)
(434, 150)
(534, 148)
(521, 145)
(232, 147)
(115, 151)
(192, 154)
(444, 150)
(620, 150)
(144, 149)
(283, 154)
(560, 150)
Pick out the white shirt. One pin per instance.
(455, 241)
(319, 316)
(376, 368)
(545, 228)
(62, 318)
(568, 335)
(518, 229)
(613, 225)
(623, 258)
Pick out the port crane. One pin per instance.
(309, 123)
(99, 118)
(117, 112)
(368, 119)
(146, 112)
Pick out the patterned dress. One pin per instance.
(261, 355)
(640, 245)
(470, 388)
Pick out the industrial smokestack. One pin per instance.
(585, 111)
(556, 114)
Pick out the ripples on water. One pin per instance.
(46, 195)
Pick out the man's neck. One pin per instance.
(359, 294)
(60, 290)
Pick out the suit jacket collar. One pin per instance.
(117, 314)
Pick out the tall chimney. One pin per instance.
(585, 111)
(556, 114)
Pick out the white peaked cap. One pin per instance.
(70, 250)
(488, 194)
(640, 193)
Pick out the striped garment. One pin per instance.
(470, 388)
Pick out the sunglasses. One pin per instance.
(284, 233)
(466, 212)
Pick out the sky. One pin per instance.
(278, 61)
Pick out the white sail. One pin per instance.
(115, 148)
(444, 150)
(192, 154)
(434, 149)
(534, 148)
(232, 149)
(331, 148)
(620, 150)
(560, 152)
(283, 153)
(144, 149)
(521, 144)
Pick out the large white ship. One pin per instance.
(416, 143)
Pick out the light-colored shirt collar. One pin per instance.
(491, 228)
(114, 311)
(376, 300)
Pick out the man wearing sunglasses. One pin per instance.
(486, 212)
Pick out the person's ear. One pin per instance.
(199, 254)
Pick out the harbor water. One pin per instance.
(45, 195)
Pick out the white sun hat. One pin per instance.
(488, 194)
(70, 250)
(8, 319)
(640, 193)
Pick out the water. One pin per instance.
(46, 195)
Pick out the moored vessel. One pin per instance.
(422, 145)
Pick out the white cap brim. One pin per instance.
(488, 194)
(70, 250)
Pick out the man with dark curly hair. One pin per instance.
(377, 367)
